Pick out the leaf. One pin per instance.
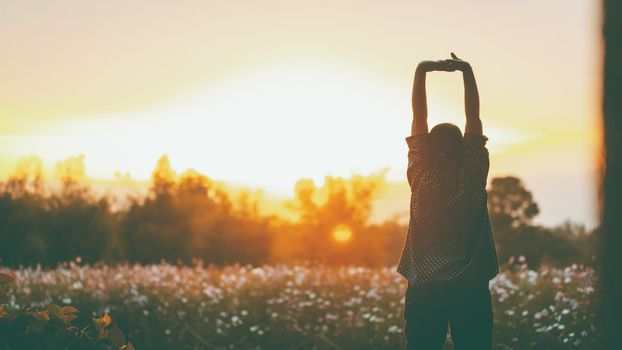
(128, 346)
(4, 278)
(1, 311)
(44, 315)
(68, 313)
(40, 315)
(106, 320)
(66, 310)
(101, 323)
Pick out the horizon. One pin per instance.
(123, 92)
(390, 203)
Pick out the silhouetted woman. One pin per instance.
(449, 255)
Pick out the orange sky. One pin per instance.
(264, 93)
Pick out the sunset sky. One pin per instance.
(262, 93)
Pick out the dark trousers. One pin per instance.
(429, 309)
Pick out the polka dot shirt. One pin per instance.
(449, 239)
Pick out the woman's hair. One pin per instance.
(446, 144)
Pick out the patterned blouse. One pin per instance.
(449, 239)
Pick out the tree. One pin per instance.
(163, 177)
(72, 173)
(512, 209)
(339, 204)
(27, 177)
(191, 216)
(510, 204)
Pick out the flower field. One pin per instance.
(300, 306)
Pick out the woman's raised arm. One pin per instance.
(471, 95)
(419, 100)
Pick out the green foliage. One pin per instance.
(192, 217)
(512, 208)
(189, 216)
(510, 204)
(36, 227)
(54, 327)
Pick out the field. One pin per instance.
(299, 306)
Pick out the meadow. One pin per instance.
(298, 306)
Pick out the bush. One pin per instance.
(55, 327)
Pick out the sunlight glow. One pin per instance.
(244, 128)
(305, 118)
(342, 233)
(261, 94)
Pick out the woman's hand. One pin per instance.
(456, 63)
(448, 65)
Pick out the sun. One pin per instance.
(342, 233)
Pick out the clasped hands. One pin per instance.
(448, 65)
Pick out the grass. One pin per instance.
(300, 306)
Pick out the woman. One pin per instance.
(449, 255)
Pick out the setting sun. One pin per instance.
(342, 233)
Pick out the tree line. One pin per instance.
(189, 216)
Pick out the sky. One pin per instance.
(262, 94)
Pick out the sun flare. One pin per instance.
(342, 233)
